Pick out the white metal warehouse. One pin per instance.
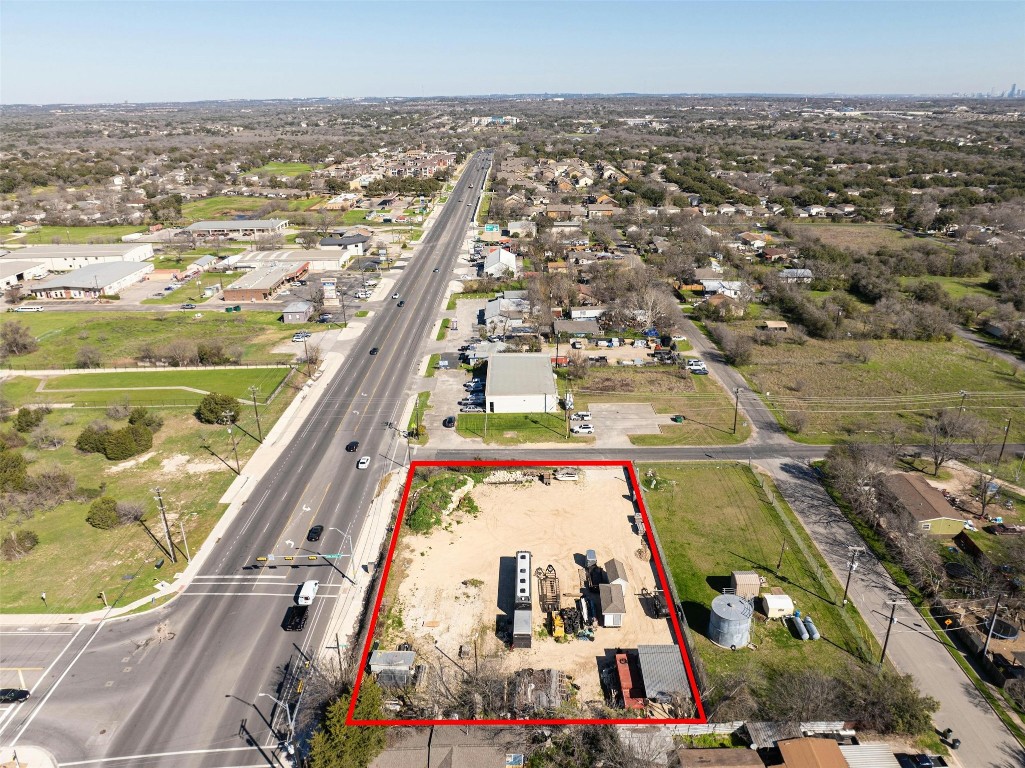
(520, 383)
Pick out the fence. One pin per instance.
(143, 366)
(827, 583)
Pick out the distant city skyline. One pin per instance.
(111, 52)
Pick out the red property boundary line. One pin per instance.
(677, 631)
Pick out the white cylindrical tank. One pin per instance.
(730, 622)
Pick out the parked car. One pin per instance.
(582, 429)
(449, 422)
(582, 415)
(471, 409)
(13, 695)
(352, 446)
(301, 336)
(363, 463)
(314, 533)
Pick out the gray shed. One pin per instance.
(393, 668)
(663, 673)
(615, 572)
(613, 604)
(297, 312)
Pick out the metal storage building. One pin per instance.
(90, 282)
(746, 583)
(297, 312)
(261, 284)
(60, 258)
(663, 673)
(394, 668)
(520, 383)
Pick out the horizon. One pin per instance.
(158, 53)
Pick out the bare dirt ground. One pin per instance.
(449, 592)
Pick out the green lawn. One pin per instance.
(282, 169)
(460, 296)
(517, 428)
(866, 237)
(362, 313)
(78, 235)
(713, 519)
(443, 330)
(171, 261)
(119, 336)
(422, 405)
(432, 363)
(354, 216)
(74, 562)
(234, 381)
(956, 287)
(220, 206)
(826, 384)
(485, 206)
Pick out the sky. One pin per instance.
(166, 50)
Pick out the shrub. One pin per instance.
(142, 416)
(90, 439)
(216, 408)
(28, 419)
(16, 339)
(18, 544)
(51, 487)
(45, 439)
(103, 514)
(88, 357)
(13, 471)
(11, 439)
(130, 512)
(212, 353)
(120, 444)
(119, 410)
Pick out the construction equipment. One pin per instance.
(558, 628)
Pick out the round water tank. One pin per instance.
(730, 622)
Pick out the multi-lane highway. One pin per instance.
(181, 686)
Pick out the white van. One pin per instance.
(307, 592)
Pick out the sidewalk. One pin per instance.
(26, 757)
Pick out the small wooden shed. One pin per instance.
(746, 584)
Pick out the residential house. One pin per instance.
(731, 288)
(559, 212)
(726, 209)
(928, 509)
(776, 326)
(602, 211)
(722, 307)
(796, 276)
(774, 254)
(584, 313)
(498, 262)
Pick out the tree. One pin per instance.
(88, 357)
(216, 408)
(126, 442)
(16, 339)
(28, 419)
(307, 239)
(13, 294)
(91, 439)
(13, 471)
(336, 745)
(18, 544)
(944, 430)
(103, 513)
(577, 366)
(148, 419)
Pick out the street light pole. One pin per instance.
(167, 528)
(736, 407)
(852, 565)
(288, 716)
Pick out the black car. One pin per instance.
(449, 422)
(295, 618)
(353, 446)
(374, 351)
(13, 695)
(402, 303)
(314, 534)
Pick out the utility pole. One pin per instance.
(167, 528)
(992, 624)
(964, 396)
(781, 551)
(306, 352)
(893, 610)
(736, 408)
(253, 390)
(228, 417)
(1007, 428)
(852, 565)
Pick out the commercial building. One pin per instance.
(243, 229)
(262, 284)
(350, 245)
(93, 281)
(13, 272)
(316, 261)
(520, 383)
(61, 258)
(297, 312)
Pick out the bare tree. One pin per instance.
(945, 429)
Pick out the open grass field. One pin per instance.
(77, 235)
(74, 562)
(864, 237)
(712, 519)
(233, 381)
(956, 287)
(707, 408)
(220, 206)
(120, 336)
(517, 428)
(828, 386)
(283, 169)
(354, 216)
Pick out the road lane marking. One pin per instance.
(101, 760)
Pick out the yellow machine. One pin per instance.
(558, 630)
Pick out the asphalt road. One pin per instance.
(181, 686)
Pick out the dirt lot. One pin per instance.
(449, 589)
